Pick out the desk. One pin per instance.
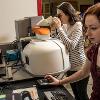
(22, 79)
(29, 83)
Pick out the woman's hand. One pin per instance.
(54, 81)
(56, 23)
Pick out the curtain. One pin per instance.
(39, 7)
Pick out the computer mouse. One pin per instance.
(25, 95)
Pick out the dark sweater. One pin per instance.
(92, 56)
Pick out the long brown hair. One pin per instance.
(69, 10)
(93, 10)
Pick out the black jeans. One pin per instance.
(79, 88)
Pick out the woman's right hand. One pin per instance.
(54, 81)
(56, 23)
(52, 26)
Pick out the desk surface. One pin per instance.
(22, 79)
(8, 87)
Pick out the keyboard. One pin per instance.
(57, 94)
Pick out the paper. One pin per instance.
(3, 97)
(32, 90)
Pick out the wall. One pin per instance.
(85, 2)
(10, 10)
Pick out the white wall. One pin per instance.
(10, 10)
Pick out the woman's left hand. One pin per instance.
(56, 22)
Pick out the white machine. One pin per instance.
(45, 57)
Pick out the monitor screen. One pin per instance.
(23, 26)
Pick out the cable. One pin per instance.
(61, 53)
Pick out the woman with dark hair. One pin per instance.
(68, 28)
(91, 23)
(68, 10)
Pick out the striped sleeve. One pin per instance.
(73, 39)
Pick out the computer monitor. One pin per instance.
(23, 26)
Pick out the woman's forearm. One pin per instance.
(75, 77)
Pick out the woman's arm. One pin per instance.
(72, 40)
(75, 33)
(84, 72)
